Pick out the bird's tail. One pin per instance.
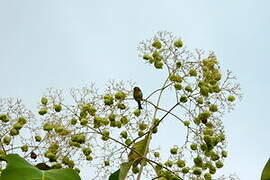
(139, 105)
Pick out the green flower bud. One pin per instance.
(71, 164)
(175, 78)
(158, 64)
(198, 161)
(193, 147)
(135, 170)
(142, 126)
(42, 111)
(224, 154)
(204, 91)
(120, 95)
(204, 116)
(185, 170)
(86, 151)
(186, 123)
(89, 158)
(207, 176)
(178, 43)
(178, 86)
(38, 138)
(124, 134)
(183, 99)
(44, 100)
(192, 72)
(200, 100)
(108, 100)
(22, 120)
(197, 171)
(156, 154)
(4, 118)
(188, 88)
(128, 141)
(173, 151)
(137, 112)
(57, 107)
(58, 129)
(124, 120)
(112, 117)
(75, 144)
(208, 131)
(106, 163)
(146, 57)
(121, 106)
(214, 156)
(73, 121)
(231, 98)
(17, 126)
(65, 160)
(54, 148)
(140, 133)
(57, 166)
(79, 138)
(197, 121)
(213, 108)
(24, 148)
(155, 130)
(219, 164)
(118, 124)
(84, 121)
(212, 170)
(6, 140)
(14, 132)
(2, 154)
(157, 44)
(168, 163)
(178, 64)
(203, 147)
(181, 163)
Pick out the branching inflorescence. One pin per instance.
(106, 129)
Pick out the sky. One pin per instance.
(65, 44)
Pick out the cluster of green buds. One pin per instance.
(87, 153)
(43, 110)
(51, 154)
(17, 126)
(4, 118)
(108, 100)
(120, 97)
(77, 140)
(68, 162)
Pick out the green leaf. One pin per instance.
(140, 148)
(266, 171)
(121, 173)
(18, 169)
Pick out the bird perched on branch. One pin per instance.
(138, 96)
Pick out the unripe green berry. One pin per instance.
(208, 131)
(214, 156)
(204, 91)
(198, 161)
(17, 126)
(47, 127)
(57, 166)
(121, 106)
(181, 163)
(231, 98)
(175, 78)
(207, 176)
(84, 121)
(212, 170)
(200, 100)
(4, 118)
(42, 111)
(193, 147)
(44, 100)
(178, 43)
(157, 44)
(173, 151)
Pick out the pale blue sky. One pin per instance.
(64, 44)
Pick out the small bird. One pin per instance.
(138, 96)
